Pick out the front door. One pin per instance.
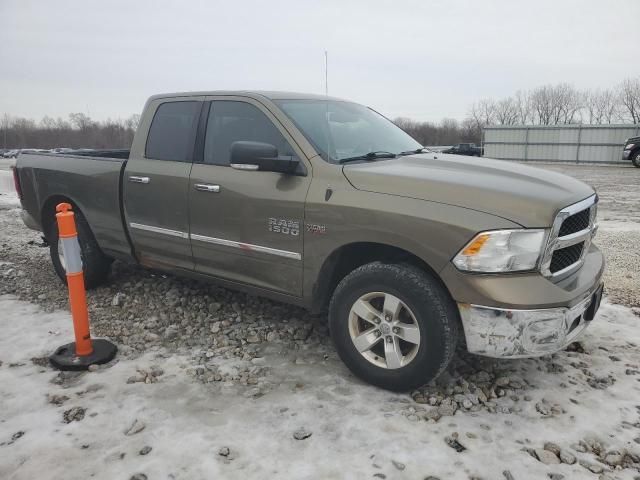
(247, 226)
(156, 186)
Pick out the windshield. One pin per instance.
(352, 130)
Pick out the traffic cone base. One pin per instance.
(65, 358)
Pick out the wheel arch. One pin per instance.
(48, 211)
(346, 258)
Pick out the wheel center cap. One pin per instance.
(385, 328)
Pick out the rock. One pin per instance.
(453, 443)
(592, 467)
(555, 476)
(379, 475)
(93, 368)
(170, 333)
(138, 476)
(118, 299)
(253, 338)
(546, 457)
(136, 427)
(74, 414)
(552, 447)
(507, 475)
(301, 434)
(224, 452)
(567, 457)
(145, 450)
(614, 459)
(502, 381)
(398, 465)
(57, 399)
(447, 410)
(214, 307)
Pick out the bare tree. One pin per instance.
(629, 97)
(483, 113)
(506, 111)
(524, 107)
(600, 106)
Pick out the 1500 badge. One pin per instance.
(284, 226)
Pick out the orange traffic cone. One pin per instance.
(84, 352)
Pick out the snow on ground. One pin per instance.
(357, 430)
(55, 426)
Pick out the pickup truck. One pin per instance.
(326, 204)
(631, 151)
(469, 149)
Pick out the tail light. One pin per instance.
(16, 182)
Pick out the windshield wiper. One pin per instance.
(368, 156)
(413, 152)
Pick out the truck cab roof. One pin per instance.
(270, 94)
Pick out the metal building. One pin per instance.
(562, 143)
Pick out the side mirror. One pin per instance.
(261, 156)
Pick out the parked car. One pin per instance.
(631, 151)
(469, 149)
(403, 249)
(11, 153)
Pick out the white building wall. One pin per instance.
(563, 143)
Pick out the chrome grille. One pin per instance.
(565, 257)
(570, 238)
(575, 223)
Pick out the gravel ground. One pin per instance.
(233, 340)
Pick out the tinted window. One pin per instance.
(172, 131)
(230, 122)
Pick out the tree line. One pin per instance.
(545, 105)
(78, 131)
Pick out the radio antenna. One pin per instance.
(326, 94)
(326, 73)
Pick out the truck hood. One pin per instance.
(528, 196)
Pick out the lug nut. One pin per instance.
(387, 318)
(378, 333)
(396, 330)
(389, 339)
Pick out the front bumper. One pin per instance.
(496, 332)
(626, 154)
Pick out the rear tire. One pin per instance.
(410, 333)
(95, 264)
(635, 158)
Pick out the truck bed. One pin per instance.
(91, 180)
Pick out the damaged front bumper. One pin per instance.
(512, 333)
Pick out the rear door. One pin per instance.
(156, 185)
(247, 226)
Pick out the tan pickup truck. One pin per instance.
(326, 204)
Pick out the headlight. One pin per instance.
(630, 146)
(501, 251)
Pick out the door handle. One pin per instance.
(205, 187)
(139, 179)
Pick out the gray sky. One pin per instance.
(422, 59)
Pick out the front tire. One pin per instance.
(635, 158)
(95, 264)
(394, 325)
